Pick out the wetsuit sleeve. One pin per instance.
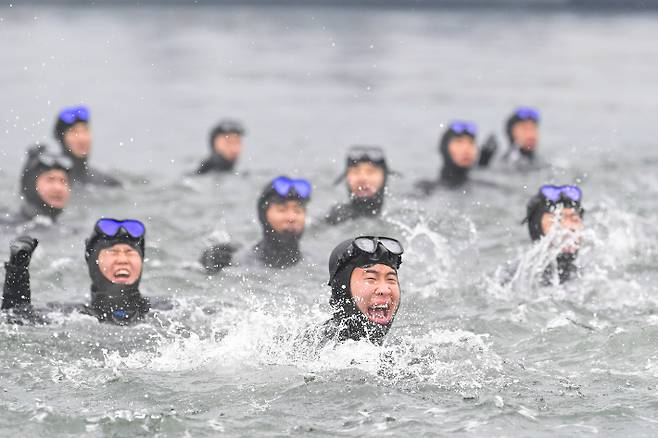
(204, 168)
(16, 291)
(217, 257)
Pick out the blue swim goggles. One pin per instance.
(460, 127)
(74, 114)
(285, 186)
(111, 227)
(527, 113)
(555, 193)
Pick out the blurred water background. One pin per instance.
(466, 356)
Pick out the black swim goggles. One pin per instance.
(74, 114)
(370, 250)
(113, 227)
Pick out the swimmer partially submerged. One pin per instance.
(365, 288)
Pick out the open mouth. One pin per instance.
(380, 313)
(364, 191)
(121, 276)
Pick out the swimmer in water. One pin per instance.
(114, 254)
(73, 133)
(281, 211)
(557, 206)
(365, 289)
(459, 152)
(366, 175)
(44, 188)
(225, 147)
(522, 129)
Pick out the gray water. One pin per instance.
(465, 356)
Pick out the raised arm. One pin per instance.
(16, 291)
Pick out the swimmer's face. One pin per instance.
(120, 263)
(526, 135)
(365, 179)
(569, 219)
(376, 292)
(53, 188)
(78, 139)
(289, 216)
(228, 146)
(463, 151)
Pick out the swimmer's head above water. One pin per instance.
(365, 289)
(226, 141)
(522, 129)
(73, 132)
(555, 206)
(45, 181)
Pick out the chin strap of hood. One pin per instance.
(370, 205)
(39, 160)
(451, 174)
(278, 249)
(113, 301)
(352, 323)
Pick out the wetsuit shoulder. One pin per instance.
(97, 177)
(339, 213)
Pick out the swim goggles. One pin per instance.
(527, 113)
(112, 227)
(372, 249)
(285, 186)
(461, 127)
(54, 161)
(568, 195)
(554, 193)
(74, 114)
(360, 154)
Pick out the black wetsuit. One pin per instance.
(348, 322)
(276, 250)
(357, 207)
(566, 270)
(451, 175)
(215, 163)
(127, 309)
(33, 205)
(83, 173)
(26, 213)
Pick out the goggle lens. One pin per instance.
(111, 227)
(283, 186)
(71, 115)
(553, 193)
(526, 113)
(461, 127)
